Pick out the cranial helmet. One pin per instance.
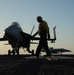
(39, 18)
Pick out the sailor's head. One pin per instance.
(39, 19)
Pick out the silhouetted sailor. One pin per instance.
(43, 31)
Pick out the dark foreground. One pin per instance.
(24, 65)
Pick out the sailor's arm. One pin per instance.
(35, 34)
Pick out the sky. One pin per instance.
(58, 13)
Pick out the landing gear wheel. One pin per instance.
(13, 52)
(9, 52)
(17, 52)
(32, 52)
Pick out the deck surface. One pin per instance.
(31, 65)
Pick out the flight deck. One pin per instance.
(31, 65)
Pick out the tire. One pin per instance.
(32, 52)
(17, 52)
(13, 52)
(9, 52)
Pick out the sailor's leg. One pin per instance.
(47, 49)
(38, 49)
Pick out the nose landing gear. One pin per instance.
(13, 52)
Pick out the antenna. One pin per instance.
(32, 30)
(54, 32)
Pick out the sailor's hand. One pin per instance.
(32, 37)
